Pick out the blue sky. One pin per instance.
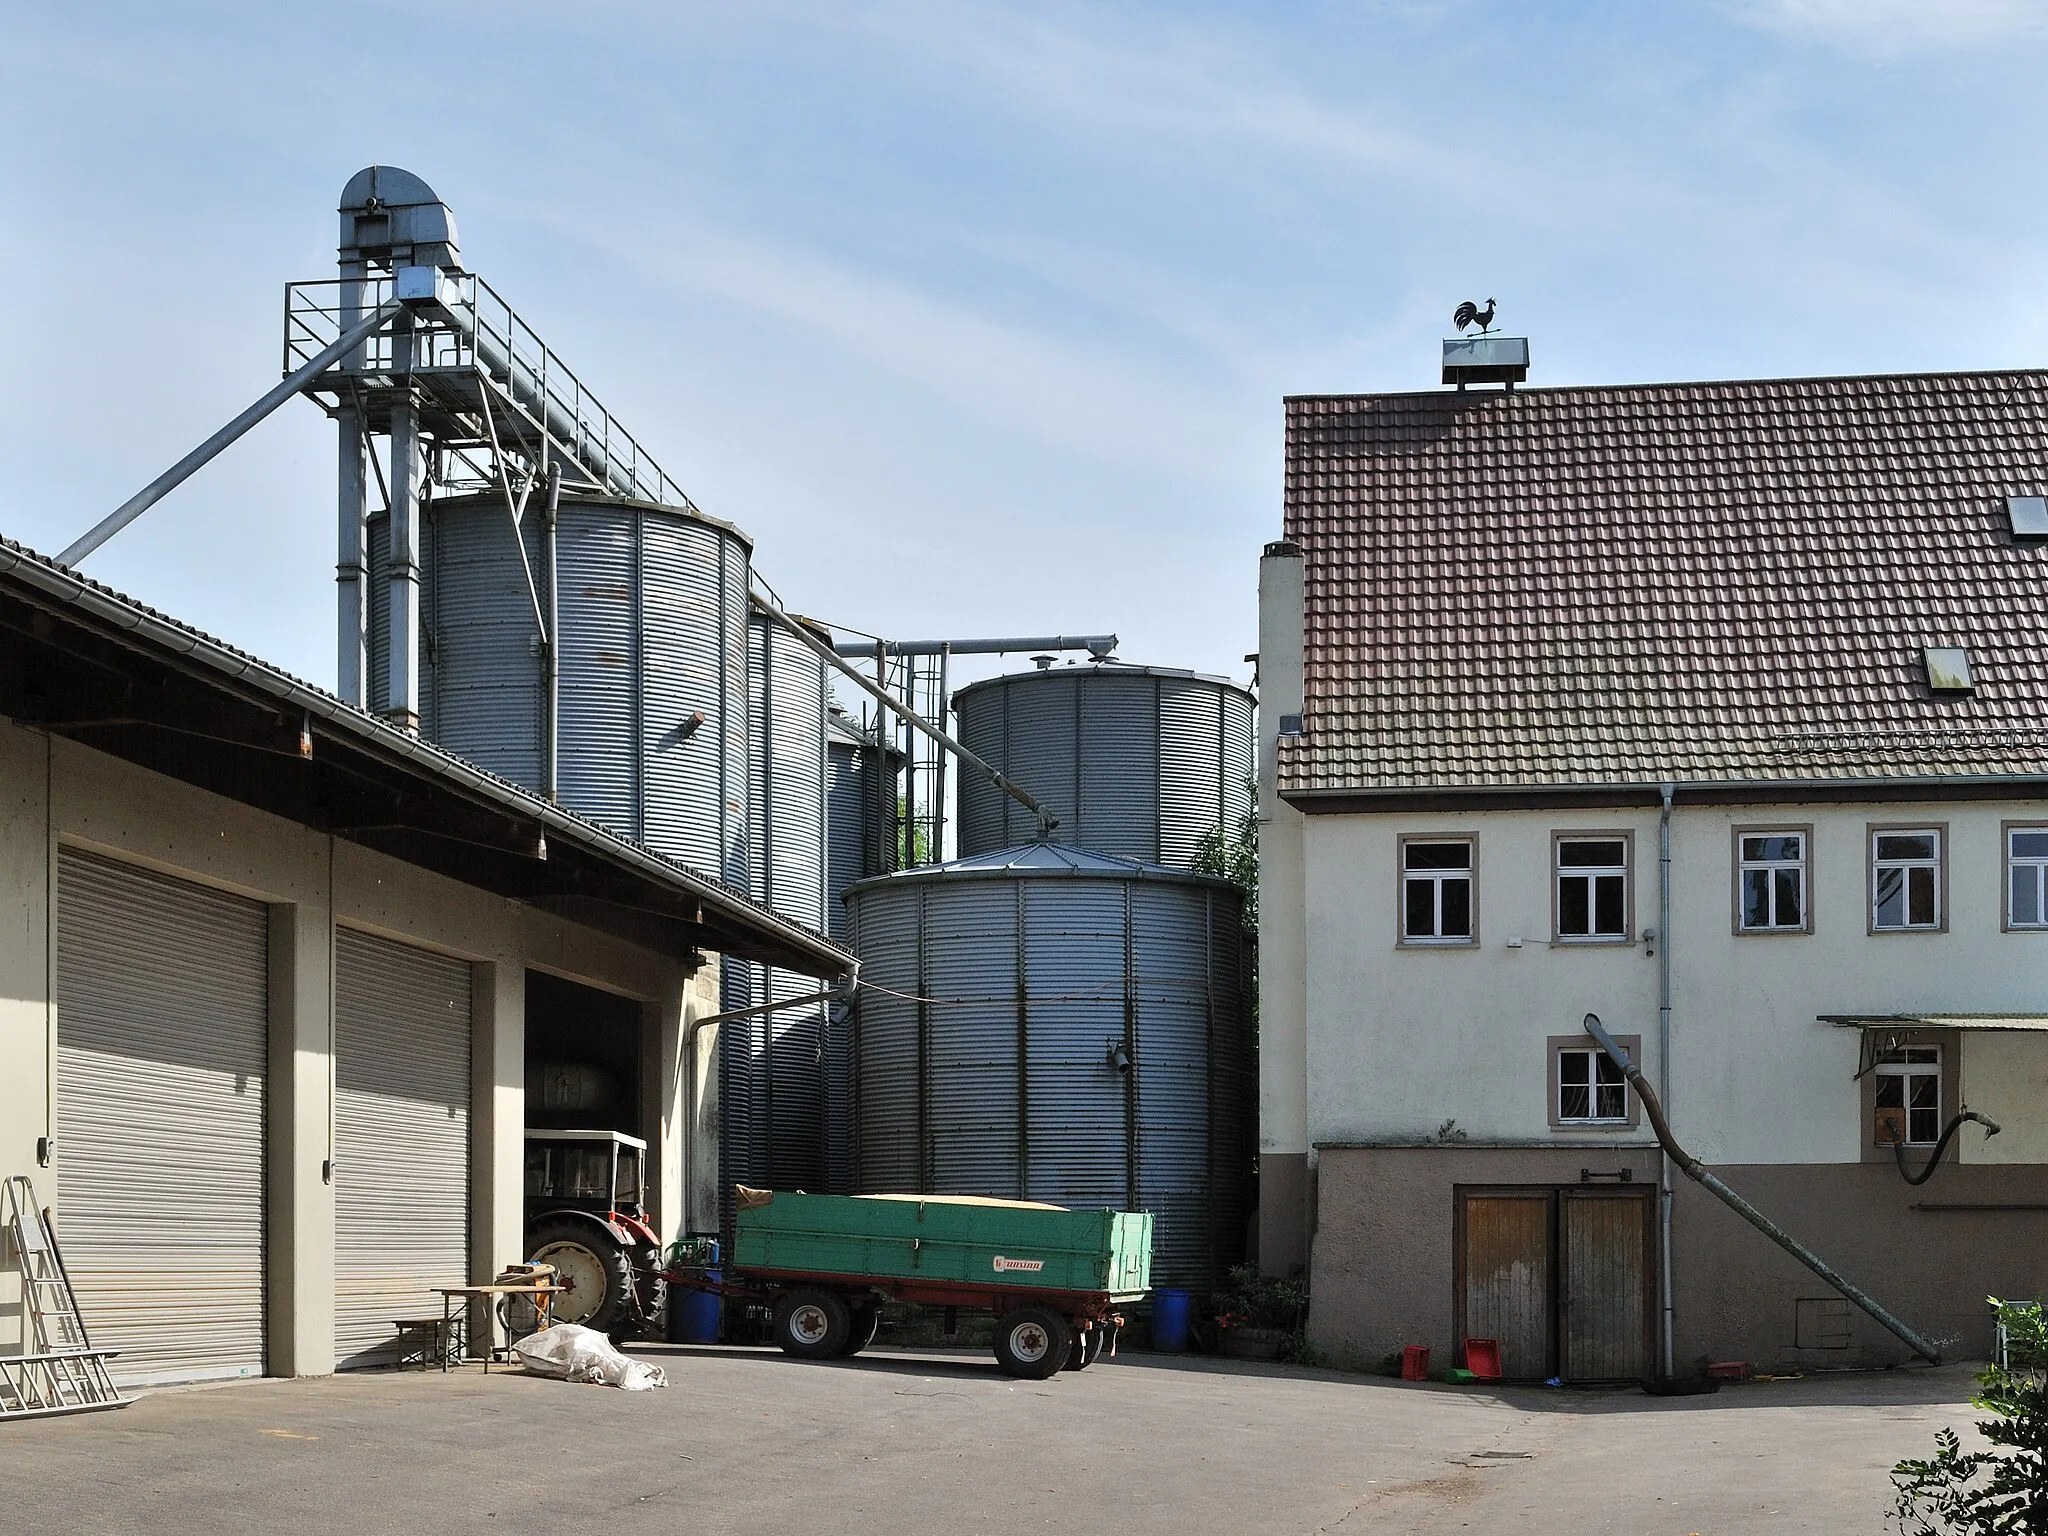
(978, 316)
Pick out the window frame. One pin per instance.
(2006, 829)
(1772, 829)
(1627, 838)
(1871, 832)
(1401, 938)
(1949, 1042)
(1882, 1070)
(1553, 1083)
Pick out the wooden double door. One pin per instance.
(1560, 1276)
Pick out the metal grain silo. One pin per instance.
(1051, 1024)
(648, 606)
(1141, 762)
(775, 1085)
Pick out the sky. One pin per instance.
(978, 317)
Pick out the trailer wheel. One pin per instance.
(1086, 1347)
(596, 1273)
(813, 1324)
(866, 1318)
(1033, 1343)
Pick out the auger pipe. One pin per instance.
(1046, 820)
(207, 451)
(1696, 1171)
(1097, 646)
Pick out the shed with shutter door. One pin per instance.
(401, 1138)
(162, 1020)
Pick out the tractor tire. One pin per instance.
(1033, 1343)
(812, 1324)
(1086, 1347)
(651, 1297)
(866, 1318)
(596, 1271)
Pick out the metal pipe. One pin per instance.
(1096, 645)
(1046, 820)
(1698, 1172)
(1667, 1309)
(204, 454)
(551, 661)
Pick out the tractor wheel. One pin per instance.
(866, 1318)
(813, 1324)
(1086, 1347)
(596, 1273)
(1033, 1343)
(652, 1295)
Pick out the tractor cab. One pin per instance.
(586, 1217)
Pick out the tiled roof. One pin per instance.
(1707, 583)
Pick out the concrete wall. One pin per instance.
(56, 793)
(1284, 1192)
(1384, 1275)
(1401, 1040)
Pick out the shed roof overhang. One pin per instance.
(85, 663)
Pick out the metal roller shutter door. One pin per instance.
(162, 1014)
(401, 1138)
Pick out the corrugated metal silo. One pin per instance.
(990, 1064)
(650, 632)
(862, 781)
(1140, 762)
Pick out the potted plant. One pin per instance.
(1256, 1315)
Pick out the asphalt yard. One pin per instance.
(748, 1441)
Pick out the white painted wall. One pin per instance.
(1400, 1040)
(59, 792)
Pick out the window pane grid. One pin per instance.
(1436, 892)
(1908, 1083)
(1771, 882)
(1906, 880)
(1592, 888)
(1590, 1088)
(2026, 852)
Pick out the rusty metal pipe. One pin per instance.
(1699, 1173)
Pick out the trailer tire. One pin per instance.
(587, 1261)
(866, 1317)
(813, 1324)
(1033, 1343)
(1087, 1345)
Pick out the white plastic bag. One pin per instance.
(571, 1352)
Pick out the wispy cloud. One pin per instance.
(1886, 28)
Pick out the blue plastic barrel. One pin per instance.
(694, 1315)
(1171, 1311)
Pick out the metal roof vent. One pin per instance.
(2029, 516)
(1948, 669)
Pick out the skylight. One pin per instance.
(1948, 669)
(2029, 516)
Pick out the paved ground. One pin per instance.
(747, 1441)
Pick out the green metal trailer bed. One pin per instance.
(1054, 1278)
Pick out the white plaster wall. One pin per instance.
(1283, 951)
(310, 882)
(1401, 1040)
(2005, 1076)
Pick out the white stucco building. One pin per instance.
(1718, 711)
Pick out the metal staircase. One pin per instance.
(60, 1371)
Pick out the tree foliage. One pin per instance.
(2002, 1491)
(1233, 853)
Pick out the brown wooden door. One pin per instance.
(1507, 1279)
(1606, 1289)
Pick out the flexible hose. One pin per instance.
(1934, 1161)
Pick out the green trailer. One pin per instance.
(1054, 1278)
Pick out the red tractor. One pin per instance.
(585, 1218)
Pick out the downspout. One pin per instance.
(551, 659)
(1665, 1351)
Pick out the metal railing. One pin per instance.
(472, 337)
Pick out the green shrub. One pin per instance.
(2002, 1490)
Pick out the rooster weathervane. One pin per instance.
(1469, 313)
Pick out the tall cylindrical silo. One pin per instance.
(1140, 762)
(1051, 1024)
(647, 604)
(863, 777)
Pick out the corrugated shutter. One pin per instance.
(401, 1138)
(162, 1015)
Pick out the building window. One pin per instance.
(1909, 1096)
(1436, 891)
(1592, 887)
(1905, 879)
(2026, 877)
(1587, 1090)
(1770, 881)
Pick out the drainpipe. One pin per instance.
(1664, 1189)
(551, 652)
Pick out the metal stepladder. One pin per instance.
(59, 1370)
